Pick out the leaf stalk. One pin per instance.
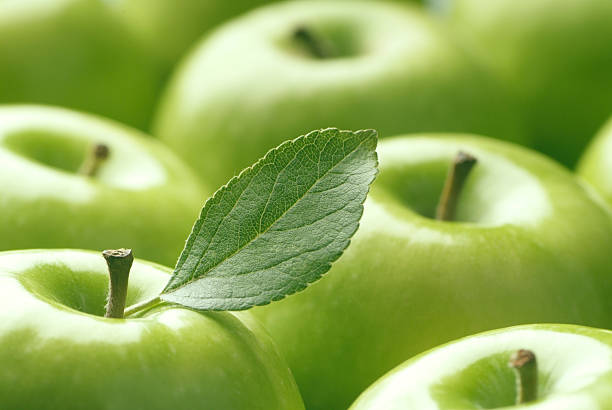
(144, 305)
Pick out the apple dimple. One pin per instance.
(43, 140)
(497, 192)
(494, 386)
(330, 33)
(81, 288)
(416, 186)
(84, 291)
(324, 40)
(475, 371)
(56, 150)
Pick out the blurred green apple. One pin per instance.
(555, 55)
(170, 27)
(527, 244)
(59, 352)
(77, 54)
(573, 365)
(595, 166)
(109, 57)
(141, 196)
(285, 69)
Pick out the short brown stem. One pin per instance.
(119, 263)
(455, 179)
(316, 45)
(97, 155)
(526, 372)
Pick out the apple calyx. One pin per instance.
(455, 179)
(97, 155)
(119, 263)
(525, 367)
(314, 44)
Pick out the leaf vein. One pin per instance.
(336, 164)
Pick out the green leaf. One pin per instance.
(277, 226)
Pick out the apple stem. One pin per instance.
(455, 179)
(119, 263)
(97, 155)
(138, 307)
(317, 46)
(525, 367)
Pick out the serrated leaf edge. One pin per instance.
(233, 180)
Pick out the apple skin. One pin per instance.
(595, 166)
(143, 196)
(106, 57)
(249, 86)
(169, 27)
(574, 363)
(58, 352)
(529, 245)
(556, 55)
(77, 54)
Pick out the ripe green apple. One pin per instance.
(170, 27)
(555, 55)
(78, 54)
(528, 244)
(574, 372)
(142, 195)
(287, 68)
(59, 352)
(107, 57)
(596, 163)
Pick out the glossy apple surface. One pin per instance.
(253, 83)
(528, 245)
(596, 163)
(143, 196)
(574, 366)
(57, 351)
(555, 55)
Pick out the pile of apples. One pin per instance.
(119, 118)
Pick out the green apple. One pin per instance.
(287, 68)
(78, 54)
(555, 55)
(170, 27)
(573, 367)
(142, 195)
(58, 352)
(527, 244)
(596, 163)
(107, 57)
